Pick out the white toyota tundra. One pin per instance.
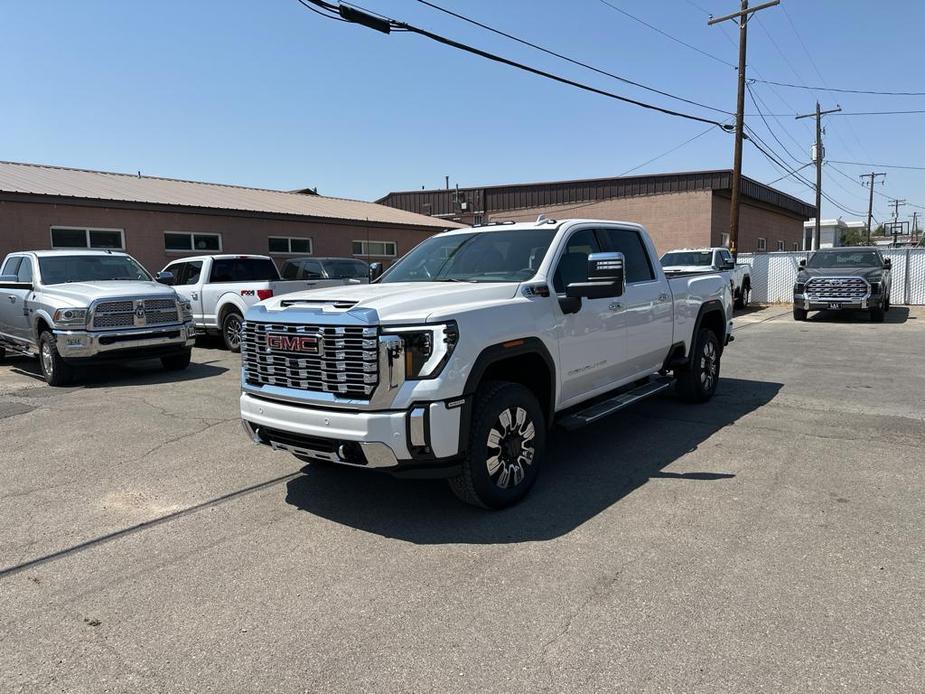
(457, 361)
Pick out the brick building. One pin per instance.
(679, 210)
(158, 219)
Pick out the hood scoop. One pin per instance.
(336, 304)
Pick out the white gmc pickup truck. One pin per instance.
(458, 359)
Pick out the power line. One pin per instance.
(768, 126)
(880, 166)
(665, 154)
(358, 15)
(570, 60)
(880, 113)
(788, 175)
(840, 91)
(667, 35)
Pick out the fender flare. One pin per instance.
(224, 302)
(707, 308)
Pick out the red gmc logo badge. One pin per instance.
(309, 344)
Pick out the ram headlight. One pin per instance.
(70, 317)
(185, 309)
(427, 347)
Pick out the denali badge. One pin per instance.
(282, 342)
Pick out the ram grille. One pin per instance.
(328, 359)
(135, 313)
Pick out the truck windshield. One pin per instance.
(486, 256)
(243, 270)
(346, 269)
(60, 269)
(838, 259)
(702, 258)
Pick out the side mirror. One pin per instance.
(887, 264)
(729, 265)
(802, 262)
(12, 282)
(164, 277)
(606, 278)
(375, 271)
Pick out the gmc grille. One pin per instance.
(121, 314)
(837, 288)
(346, 361)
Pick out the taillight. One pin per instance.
(264, 294)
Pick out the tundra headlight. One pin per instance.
(427, 347)
(70, 318)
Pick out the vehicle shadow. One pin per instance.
(133, 373)
(585, 472)
(896, 315)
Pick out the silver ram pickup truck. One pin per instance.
(74, 307)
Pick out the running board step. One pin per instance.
(598, 410)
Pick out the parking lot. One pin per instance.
(770, 540)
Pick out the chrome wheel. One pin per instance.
(708, 365)
(48, 360)
(510, 447)
(233, 330)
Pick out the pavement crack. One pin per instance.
(597, 592)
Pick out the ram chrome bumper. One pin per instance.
(388, 439)
(82, 344)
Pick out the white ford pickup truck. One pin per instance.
(220, 288)
(712, 260)
(458, 359)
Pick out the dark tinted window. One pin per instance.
(302, 270)
(243, 270)
(68, 238)
(685, 258)
(193, 271)
(836, 259)
(629, 243)
(25, 270)
(573, 265)
(346, 269)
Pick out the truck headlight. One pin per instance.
(70, 317)
(427, 347)
(185, 309)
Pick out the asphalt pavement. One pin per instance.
(772, 540)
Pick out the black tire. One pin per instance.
(2, 354)
(500, 465)
(876, 314)
(232, 324)
(745, 295)
(799, 314)
(177, 362)
(55, 370)
(697, 380)
(886, 304)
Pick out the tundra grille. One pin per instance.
(321, 358)
(135, 313)
(834, 288)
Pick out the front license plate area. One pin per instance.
(834, 307)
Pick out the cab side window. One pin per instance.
(177, 270)
(11, 266)
(192, 273)
(573, 265)
(25, 271)
(629, 243)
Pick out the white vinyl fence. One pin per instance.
(773, 275)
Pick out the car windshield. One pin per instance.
(845, 259)
(486, 256)
(704, 258)
(346, 269)
(60, 269)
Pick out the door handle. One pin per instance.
(662, 298)
(12, 299)
(615, 306)
(194, 296)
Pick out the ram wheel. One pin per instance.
(507, 438)
(232, 327)
(54, 369)
(697, 380)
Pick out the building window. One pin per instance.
(796, 246)
(187, 242)
(724, 240)
(289, 245)
(780, 245)
(377, 248)
(762, 244)
(79, 237)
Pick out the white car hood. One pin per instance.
(397, 302)
(81, 294)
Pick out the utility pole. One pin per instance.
(819, 156)
(742, 16)
(870, 206)
(896, 204)
(915, 227)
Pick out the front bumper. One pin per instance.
(811, 303)
(426, 436)
(82, 344)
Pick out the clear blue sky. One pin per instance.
(266, 93)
